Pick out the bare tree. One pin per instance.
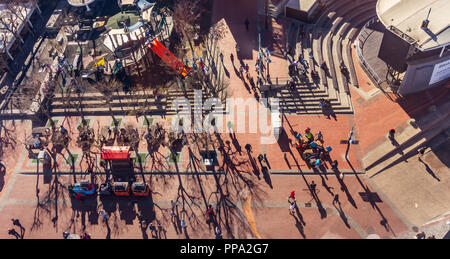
(186, 14)
(109, 89)
(219, 30)
(9, 23)
(7, 138)
(19, 8)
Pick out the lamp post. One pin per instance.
(350, 141)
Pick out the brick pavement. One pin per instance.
(266, 216)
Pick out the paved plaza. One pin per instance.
(349, 202)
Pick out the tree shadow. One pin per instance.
(227, 73)
(233, 181)
(384, 222)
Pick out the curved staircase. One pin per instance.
(330, 39)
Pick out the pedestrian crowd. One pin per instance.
(313, 150)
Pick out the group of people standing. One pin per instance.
(312, 149)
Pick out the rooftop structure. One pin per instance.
(303, 10)
(409, 15)
(80, 3)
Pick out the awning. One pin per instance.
(144, 5)
(115, 152)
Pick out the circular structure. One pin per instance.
(405, 48)
(121, 20)
(80, 3)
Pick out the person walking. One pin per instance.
(421, 235)
(391, 133)
(237, 49)
(202, 65)
(62, 129)
(104, 216)
(241, 71)
(221, 57)
(210, 213)
(324, 65)
(319, 137)
(183, 223)
(86, 236)
(232, 58)
(16, 222)
(291, 197)
(247, 23)
(13, 232)
(248, 147)
(421, 151)
(218, 233)
(313, 187)
(152, 229)
(318, 163)
(298, 136)
(336, 199)
(230, 126)
(309, 135)
(174, 205)
(2, 164)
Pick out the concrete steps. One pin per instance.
(122, 103)
(361, 11)
(408, 141)
(330, 40)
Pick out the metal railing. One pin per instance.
(359, 51)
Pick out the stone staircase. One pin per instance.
(272, 10)
(122, 103)
(330, 39)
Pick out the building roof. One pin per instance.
(79, 3)
(302, 5)
(6, 37)
(144, 5)
(408, 15)
(126, 2)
